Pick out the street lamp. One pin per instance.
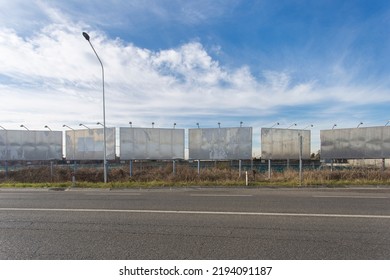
(309, 126)
(24, 127)
(241, 124)
(152, 124)
(2, 127)
(174, 125)
(84, 125)
(275, 125)
(387, 122)
(219, 125)
(359, 124)
(131, 124)
(86, 36)
(46, 126)
(334, 126)
(198, 125)
(99, 123)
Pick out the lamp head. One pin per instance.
(86, 36)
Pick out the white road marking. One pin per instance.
(350, 196)
(222, 195)
(118, 193)
(136, 211)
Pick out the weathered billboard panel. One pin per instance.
(151, 143)
(30, 145)
(88, 144)
(220, 143)
(356, 143)
(278, 143)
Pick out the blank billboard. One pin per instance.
(30, 145)
(88, 144)
(356, 143)
(278, 143)
(151, 143)
(220, 143)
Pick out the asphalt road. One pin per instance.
(195, 223)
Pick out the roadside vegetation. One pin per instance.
(186, 176)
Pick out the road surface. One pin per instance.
(195, 223)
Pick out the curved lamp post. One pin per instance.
(86, 36)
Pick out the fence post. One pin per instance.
(51, 171)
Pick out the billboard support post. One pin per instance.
(269, 169)
(300, 158)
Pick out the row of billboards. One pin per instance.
(135, 144)
(203, 144)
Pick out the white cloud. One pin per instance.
(53, 77)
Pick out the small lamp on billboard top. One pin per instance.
(24, 127)
(84, 126)
(310, 125)
(64, 125)
(294, 124)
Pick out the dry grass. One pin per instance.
(188, 176)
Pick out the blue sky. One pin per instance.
(260, 62)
